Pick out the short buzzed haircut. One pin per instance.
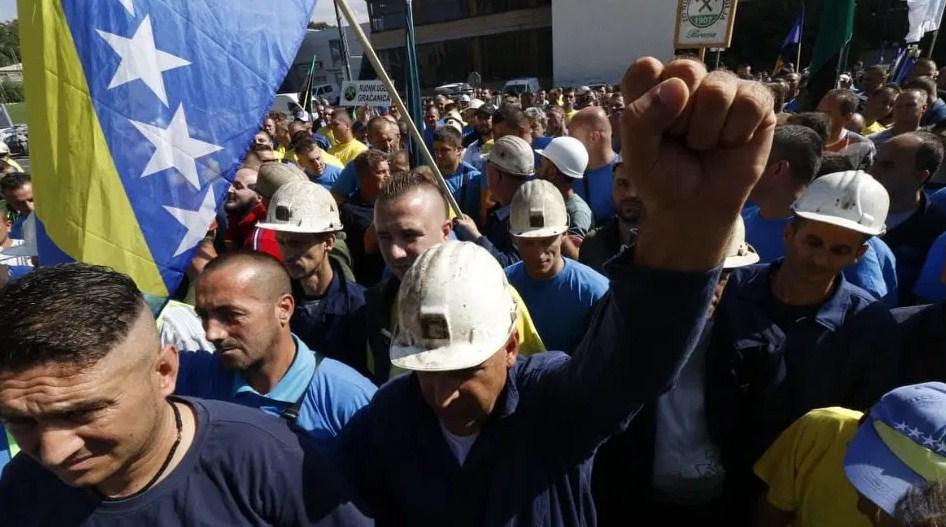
(341, 115)
(448, 135)
(14, 180)
(929, 154)
(847, 100)
(71, 314)
(801, 147)
(304, 146)
(923, 83)
(368, 159)
(401, 183)
(816, 121)
(270, 272)
(832, 162)
(380, 122)
(513, 116)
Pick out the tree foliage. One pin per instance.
(9, 43)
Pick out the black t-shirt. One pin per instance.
(785, 315)
(243, 468)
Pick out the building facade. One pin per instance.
(322, 48)
(561, 42)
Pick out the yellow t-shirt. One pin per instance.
(331, 160)
(568, 116)
(804, 469)
(284, 154)
(348, 151)
(873, 128)
(327, 132)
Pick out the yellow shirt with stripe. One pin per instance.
(804, 469)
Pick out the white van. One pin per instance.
(326, 91)
(525, 84)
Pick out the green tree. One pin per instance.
(9, 43)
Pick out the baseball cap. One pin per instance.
(902, 444)
(513, 156)
(487, 108)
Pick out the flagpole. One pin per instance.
(801, 34)
(396, 99)
(933, 44)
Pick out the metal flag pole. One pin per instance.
(801, 35)
(929, 54)
(344, 42)
(396, 98)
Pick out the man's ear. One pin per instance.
(166, 368)
(284, 308)
(512, 349)
(860, 252)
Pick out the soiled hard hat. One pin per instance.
(513, 156)
(475, 104)
(739, 253)
(273, 175)
(454, 310)
(852, 199)
(568, 155)
(303, 207)
(537, 211)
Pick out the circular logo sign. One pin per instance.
(350, 93)
(704, 13)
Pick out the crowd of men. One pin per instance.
(678, 301)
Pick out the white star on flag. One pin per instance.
(196, 221)
(901, 426)
(174, 148)
(129, 6)
(915, 433)
(141, 59)
(930, 442)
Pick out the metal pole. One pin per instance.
(396, 98)
(719, 51)
(932, 44)
(344, 42)
(801, 36)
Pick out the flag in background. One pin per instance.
(793, 38)
(139, 112)
(924, 16)
(834, 32)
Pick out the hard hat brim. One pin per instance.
(841, 222)
(285, 227)
(734, 262)
(547, 232)
(569, 173)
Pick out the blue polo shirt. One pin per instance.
(333, 392)
(466, 185)
(595, 189)
(330, 175)
(347, 181)
(929, 285)
(876, 271)
(560, 306)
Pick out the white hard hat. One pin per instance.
(537, 210)
(4, 148)
(303, 207)
(475, 103)
(852, 199)
(739, 253)
(465, 98)
(568, 155)
(454, 310)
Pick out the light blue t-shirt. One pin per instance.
(875, 272)
(597, 182)
(333, 391)
(328, 178)
(347, 181)
(929, 286)
(560, 306)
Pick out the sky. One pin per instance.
(324, 10)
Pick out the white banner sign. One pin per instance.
(361, 93)
(704, 23)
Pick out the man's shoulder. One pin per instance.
(585, 274)
(337, 377)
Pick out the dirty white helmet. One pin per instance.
(852, 199)
(537, 210)
(739, 253)
(568, 155)
(454, 310)
(304, 207)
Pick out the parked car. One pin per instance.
(454, 88)
(525, 84)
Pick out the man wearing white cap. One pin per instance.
(327, 314)
(559, 291)
(794, 334)
(511, 163)
(563, 162)
(476, 435)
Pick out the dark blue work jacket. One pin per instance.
(531, 463)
